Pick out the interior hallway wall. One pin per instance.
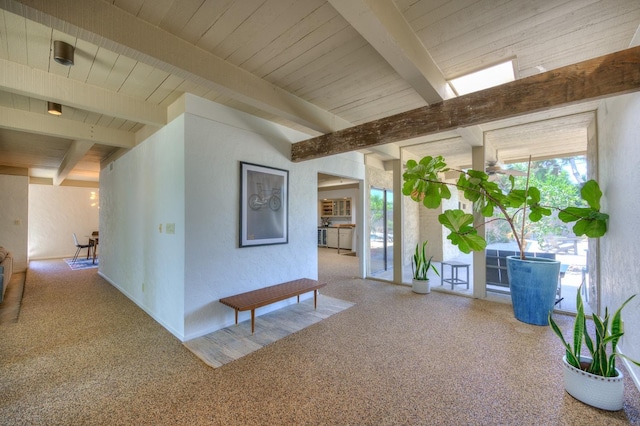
(140, 194)
(14, 218)
(217, 140)
(188, 175)
(619, 174)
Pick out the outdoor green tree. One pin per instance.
(556, 188)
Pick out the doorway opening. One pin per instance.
(337, 224)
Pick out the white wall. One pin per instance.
(140, 193)
(189, 174)
(619, 169)
(56, 212)
(14, 209)
(216, 267)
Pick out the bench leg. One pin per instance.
(298, 298)
(236, 316)
(315, 299)
(253, 317)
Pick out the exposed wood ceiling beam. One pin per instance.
(59, 127)
(605, 76)
(112, 28)
(385, 28)
(22, 80)
(74, 155)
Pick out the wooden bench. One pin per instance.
(272, 294)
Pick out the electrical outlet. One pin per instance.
(170, 228)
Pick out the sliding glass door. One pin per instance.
(381, 233)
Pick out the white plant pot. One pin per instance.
(606, 393)
(421, 286)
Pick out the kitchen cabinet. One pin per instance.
(342, 208)
(332, 237)
(345, 238)
(326, 208)
(335, 208)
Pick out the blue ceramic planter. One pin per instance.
(533, 283)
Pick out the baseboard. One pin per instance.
(631, 369)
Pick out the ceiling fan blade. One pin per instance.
(494, 168)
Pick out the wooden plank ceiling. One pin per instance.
(316, 66)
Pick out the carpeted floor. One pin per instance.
(82, 353)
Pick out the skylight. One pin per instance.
(483, 79)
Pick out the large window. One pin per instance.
(559, 181)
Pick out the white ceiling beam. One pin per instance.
(635, 41)
(107, 26)
(74, 155)
(385, 28)
(31, 82)
(42, 124)
(473, 135)
(390, 151)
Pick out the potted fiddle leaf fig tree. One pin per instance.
(594, 379)
(533, 281)
(420, 266)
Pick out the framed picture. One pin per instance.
(264, 216)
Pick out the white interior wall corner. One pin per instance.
(619, 170)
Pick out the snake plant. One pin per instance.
(421, 265)
(608, 331)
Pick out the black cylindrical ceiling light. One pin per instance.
(63, 52)
(54, 108)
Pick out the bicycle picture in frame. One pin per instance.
(264, 216)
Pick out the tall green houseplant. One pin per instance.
(532, 281)
(423, 183)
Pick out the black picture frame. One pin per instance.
(264, 205)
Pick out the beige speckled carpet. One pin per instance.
(82, 353)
